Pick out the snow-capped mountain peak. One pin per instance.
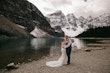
(73, 26)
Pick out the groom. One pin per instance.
(68, 48)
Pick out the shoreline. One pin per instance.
(94, 61)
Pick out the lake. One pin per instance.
(27, 50)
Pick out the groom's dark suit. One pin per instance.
(68, 51)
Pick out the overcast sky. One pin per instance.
(77, 7)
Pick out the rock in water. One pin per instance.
(11, 66)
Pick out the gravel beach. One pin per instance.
(96, 60)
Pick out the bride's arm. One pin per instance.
(69, 43)
(62, 44)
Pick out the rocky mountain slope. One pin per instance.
(9, 29)
(25, 14)
(57, 20)
(73, 26)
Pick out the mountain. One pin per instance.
(69, 24)
(10, 29)
(102, 20)
(98, 27)
(57, 20)
(73, 26)
(71, 19)
(25, 14)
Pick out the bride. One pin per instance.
(63, 58)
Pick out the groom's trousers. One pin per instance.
(68, 52)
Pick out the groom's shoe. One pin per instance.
(68, 64)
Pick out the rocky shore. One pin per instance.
(96, 60)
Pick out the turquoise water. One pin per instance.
(25, 50)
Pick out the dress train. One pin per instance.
(61, 61)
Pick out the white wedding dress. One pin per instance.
(61, 61)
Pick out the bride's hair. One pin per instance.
(63, 40)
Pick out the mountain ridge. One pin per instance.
(73, 26)
(25, 14)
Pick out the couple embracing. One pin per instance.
(65, 54)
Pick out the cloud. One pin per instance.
(58, 3)
(78, 7)
(44, 6)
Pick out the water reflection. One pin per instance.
(53, 44)
(78, 43)
(24, 50)
(38, 43)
